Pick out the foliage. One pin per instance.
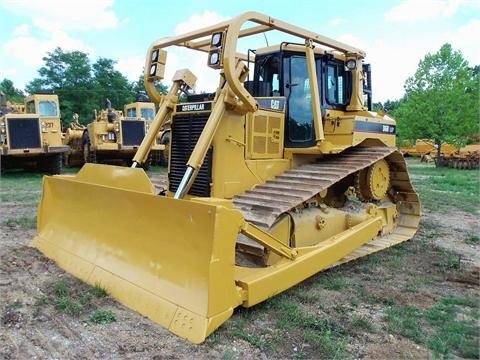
(83, 87)
(441, 101)
(111, 84)
(69, 75)
(389, 106)
(138, 88)
(13, 94)
(102, 317)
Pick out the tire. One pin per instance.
(51, 164)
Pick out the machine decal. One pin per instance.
(364, 126)
(194, 107)
(277, 103)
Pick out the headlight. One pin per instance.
(216, 39)
(214, 59)
(351, 64)
(155, 56)
(153, 70)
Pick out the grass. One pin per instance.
(76, 299)
(448, 329)
(295, 333)
(23, 222)
(102, 317)
(472, 240)
(21, 187)
(443, 188)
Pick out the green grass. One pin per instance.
(20, 187)
(404, 320)
(77, 299)
(102, 317)
(472, 240)
(442, 189)
(332, 282)
(362, 322)
(449, 328)
(23, 222)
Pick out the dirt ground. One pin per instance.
(31, 328)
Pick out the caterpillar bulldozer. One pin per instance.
(76, 137)
(280, 173)
(111, 137)
(146, 110)
(140, 110)
(30, 134)
(114, 138)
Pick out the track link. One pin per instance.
(264, 204)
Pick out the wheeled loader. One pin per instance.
(145, 110)
(31, 134)
(115, 138)
(282, 172)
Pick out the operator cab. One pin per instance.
(282, 71)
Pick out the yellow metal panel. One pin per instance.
(159, 256)
(262, 283)
(265, 134)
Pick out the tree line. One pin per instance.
(441, 101)
(80, 85)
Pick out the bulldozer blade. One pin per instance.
(171, 260)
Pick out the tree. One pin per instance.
(139, 91)
(389, 106)
(69, 75)
(111, 84)
(13, 94)
(441, 100)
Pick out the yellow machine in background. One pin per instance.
(30, 134)
(282, 172)
(76, 137)
(425, 148)
(160, 147)
(467, 157)
(140, 110)
(114, 138)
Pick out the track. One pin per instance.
(266, 202)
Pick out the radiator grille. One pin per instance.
(24, 133)
(133, 132)
(186, 129)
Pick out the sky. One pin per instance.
(395, 34)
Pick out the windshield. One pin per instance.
(47, 108)
(148, 114)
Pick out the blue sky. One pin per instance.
(396, 34)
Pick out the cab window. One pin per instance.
(47, 108)
(335, 84)
(148, 114)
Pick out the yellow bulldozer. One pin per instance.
(280, 173)
(31, 134)
(111, 137)
(145, 110)
(76, 137)
(115, 138)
